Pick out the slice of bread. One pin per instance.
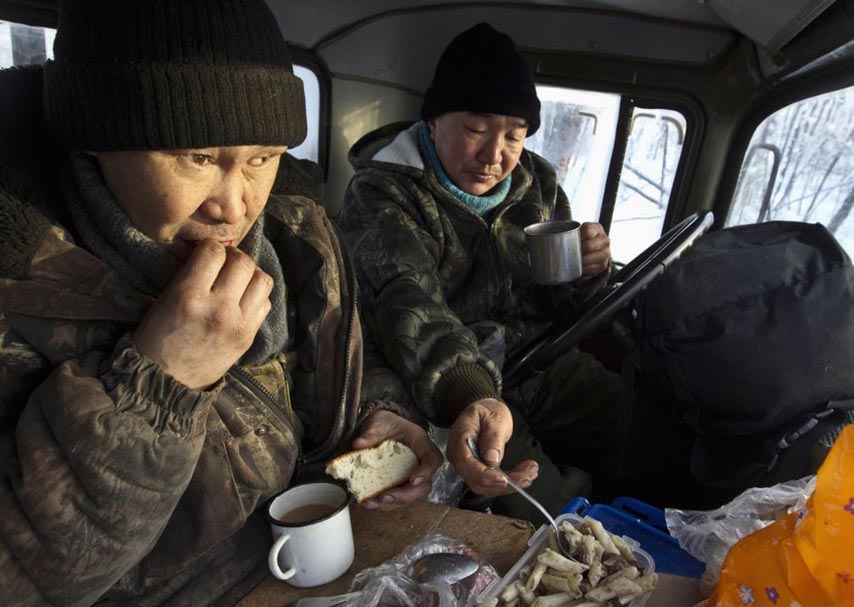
(369, 472)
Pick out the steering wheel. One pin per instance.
(622, 288)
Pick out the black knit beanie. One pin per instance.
(171, 74)
(481, 71)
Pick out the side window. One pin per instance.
(799, 166)
(577, 134)
(25, 45)
(310, 148)
(649, 169)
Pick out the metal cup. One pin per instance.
(554, 251)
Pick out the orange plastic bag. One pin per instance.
(805, 559)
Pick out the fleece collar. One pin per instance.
(403, 150)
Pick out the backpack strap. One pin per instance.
(801, 450)
(784, 453)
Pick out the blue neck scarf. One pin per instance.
(479, 204)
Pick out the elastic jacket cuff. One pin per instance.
(138, 385)
(461, 386)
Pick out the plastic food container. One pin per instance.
(535, 545)
(645, 524)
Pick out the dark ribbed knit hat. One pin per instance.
(481, 71)
(171, 74)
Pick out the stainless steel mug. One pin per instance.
(554, 251)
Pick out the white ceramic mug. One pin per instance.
(554, 251)
(313, 539)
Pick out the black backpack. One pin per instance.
(751, 332)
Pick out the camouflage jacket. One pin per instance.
(446, 294)
(120, 483)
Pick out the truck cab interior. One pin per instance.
(653, 110)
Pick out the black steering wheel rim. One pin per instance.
(623, 287)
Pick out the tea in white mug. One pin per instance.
(313, 539)
(307, 513)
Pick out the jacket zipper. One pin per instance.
(261, 392)
(264, 394)
(336, 434)
(503, 289)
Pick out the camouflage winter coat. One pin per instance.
(446, 294)
(118, 481)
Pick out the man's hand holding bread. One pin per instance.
(393, 460)
(392, 464)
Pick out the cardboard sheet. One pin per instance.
(499, 541)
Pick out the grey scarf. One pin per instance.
(105, 230)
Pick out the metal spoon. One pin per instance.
(448, 567)
(561, 540)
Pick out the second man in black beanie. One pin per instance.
(481, 71)
(436, 220)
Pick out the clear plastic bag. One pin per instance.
(390, 584)
(803, 558)
(709, 534)
(448, 486)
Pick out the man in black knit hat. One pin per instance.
(178, 345)
(435, 216)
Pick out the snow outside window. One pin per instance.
(310, 148)
(577, 137)
(24, 45)
(649, 169)
(799, 166)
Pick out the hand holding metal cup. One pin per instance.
(554, 251)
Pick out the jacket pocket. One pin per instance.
(262, 445)
(262, 462)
